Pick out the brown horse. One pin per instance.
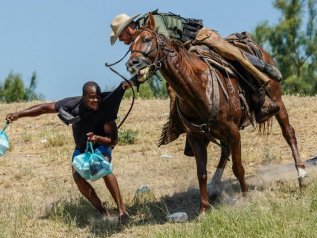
(192, 79)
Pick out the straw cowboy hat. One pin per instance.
(118, 24)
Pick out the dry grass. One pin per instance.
(38, 197)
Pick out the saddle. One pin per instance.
(245, 42)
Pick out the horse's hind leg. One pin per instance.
(290, 137)
(288, 132)
(215, 188)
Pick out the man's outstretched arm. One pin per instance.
(33, 111)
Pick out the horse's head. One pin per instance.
(147, 51)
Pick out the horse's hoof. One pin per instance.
(213, 189)
(214, 194)
(201, 216)
(303, 181)
(303, 178)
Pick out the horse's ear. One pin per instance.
(151, 22)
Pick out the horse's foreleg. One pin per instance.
(234, 142)
(199, 147)
(290, 137)
(214, 188)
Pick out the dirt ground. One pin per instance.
(36, 170)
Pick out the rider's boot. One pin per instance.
(273, 72)
(265, 108)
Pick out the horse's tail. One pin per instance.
(265, 128)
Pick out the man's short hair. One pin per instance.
(91, 84)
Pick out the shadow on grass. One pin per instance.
(79, 213)
(144, 209)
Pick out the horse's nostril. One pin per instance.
(135, 62)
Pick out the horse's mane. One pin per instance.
(189, 60)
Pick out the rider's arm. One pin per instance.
(33, 111)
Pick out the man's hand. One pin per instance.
(91, 137)
(12, 117)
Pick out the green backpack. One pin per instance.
(179, 28)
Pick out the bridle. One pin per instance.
(159, 47)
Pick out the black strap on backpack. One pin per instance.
(190, 27)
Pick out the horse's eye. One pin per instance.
(146, 40)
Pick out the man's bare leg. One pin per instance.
(88, 191)
(113, 187)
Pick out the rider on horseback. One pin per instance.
(177, 28)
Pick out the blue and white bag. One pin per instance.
(90, 165)
(4, 140)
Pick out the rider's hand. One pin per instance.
(126, 85)
(12, 117)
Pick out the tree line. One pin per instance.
(14, 90)
(292, 42)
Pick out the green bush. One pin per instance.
(127, 137)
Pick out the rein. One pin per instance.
(125, 79)
(109, 65)
(157, 65)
